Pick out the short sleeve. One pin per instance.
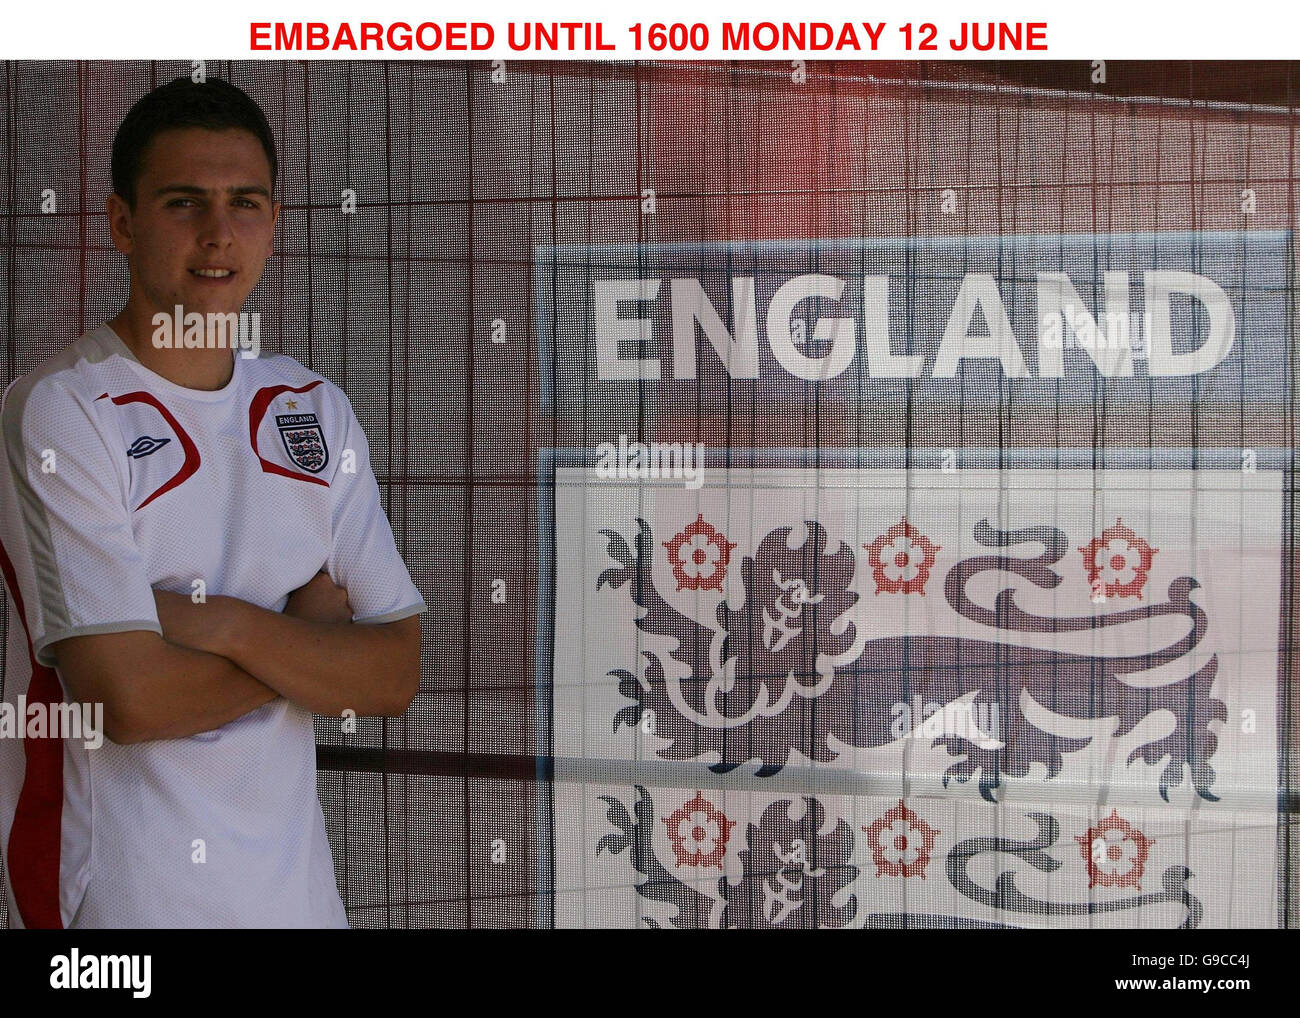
(82, 572)
(363, 555)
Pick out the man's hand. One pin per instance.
(206, 625)
(319, 600)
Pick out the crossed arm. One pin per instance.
(219, 660)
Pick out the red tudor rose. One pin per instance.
(699, 556)
(901, 559)
(699, 832)
(1115, 852)
(1119, 559)
(901, 843)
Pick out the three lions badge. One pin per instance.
(304, 441)
(866, 698)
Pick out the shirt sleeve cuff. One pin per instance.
(45, 656)
(393, 616)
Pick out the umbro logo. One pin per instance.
(144, 446)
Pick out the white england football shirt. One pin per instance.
(114, 481)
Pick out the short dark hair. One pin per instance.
(216, 105)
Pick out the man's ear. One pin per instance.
(119, 222)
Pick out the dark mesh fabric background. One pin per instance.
(460, 179)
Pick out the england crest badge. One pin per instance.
(304, 441)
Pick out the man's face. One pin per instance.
(203, 222)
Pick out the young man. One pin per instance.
(188, 537)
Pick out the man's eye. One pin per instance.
(248, 203)
(180, 202)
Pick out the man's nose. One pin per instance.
(216, 229)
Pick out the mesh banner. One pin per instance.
(860, 500)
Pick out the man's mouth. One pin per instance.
(212, 273)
